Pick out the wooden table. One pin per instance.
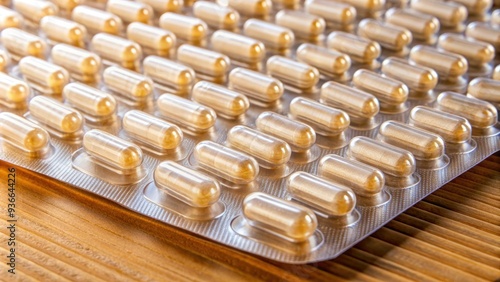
(65, 234)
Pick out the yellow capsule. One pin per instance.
(300, 136)
(96, 20)
(287, 220)
(13, 90)
(302, 24)
(5, 60)
(169, 73)
(256, 85)
(90, 100)
(296, 74)
(251, 8)
(67, 5)
(82, 64)
(323, 119)
(368, 6)
(216, 16)
(23, 134)
(326, 60)
(422, 26)
(495, 17)
(449, 66)
(19, 43)
(117, 50)
(359, 49)
(391, 37)
(229, 164)
(226, 103)
(321, 194)
(485, 89)
(333, 12)
(130, 11)
(286, 4)
(186, 113)
(35, 10)
(203, 61)
(238, 47)
(484, 32)
(477, 53)
(55, 115)
(273, 36)
(43, 76)
(162, 6)
(10, 18)
(130, 84)
(184, 27)
(476, 7)
(152, 39)
(417, 78)
(496, 73)
(269, 151)
(186, 185)
(450, 14)
(152, 130)
(62, 30)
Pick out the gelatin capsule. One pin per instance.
(270, 151)
(296, 74)
(484, 32)
(96, 20)
(130, 11)
(367, 6)
(495, 17)
(391, 37)
(23, 134)
(204, 61)
(184, 27)
(169, 73)
(326, 60)
(117, 50)
(152, 130)
(13, 90)
(302, 24)
(67, 5)
(238, 47)
(158, 40)
(186, 185)
(226, 103)
(359, 49)
(229, 164)
(417, 78)
(5, 60)
(485, 89)
(256, 85)
(450, 14)
(184, 112)
(43, 76)
(216, 16)
(20, 43)
(82, 64)
(447, 65)
(333, 12)
(62, 30)
(287, 220)
(480, 114)
(130, 84)
(112, 150)
(286, 4)
(299, 136)
(321, 194)
(273, 36)
(10, 18)
(476, 7)
(477, 53)
(323, 119)
(89, 100)
(251, 8)
(55, 115)
(162, 6)
(496, 73)
(422, 26)
(35, 10)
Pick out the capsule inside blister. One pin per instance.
(24, 134)
(238, 47)
(185, 113)
(359, 49)
(229, 164)
(422, 26)
(35, 10)
(256, 85)
(332, 12)
(19, 43)
(62, 30)
(477, 53)
(82, 64)
(476, 7)
(302, 24)
(152, 39)
(216, 16)
(391, 37)
(162, 6)
(10, 18)
(13, 92)
(226, 103)
(449, 66)
(117, 50)
(130, 11)
(298, 75)
(450, 14)
(173, 75)
(485, 89)
(128, 84)
(251, 8)
(204, 61)
(186, 28)
(326, 60)
(484, 32)
(96, 20)
(273, 36)
(43, 76)
(98, 105)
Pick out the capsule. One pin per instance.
(417, 78)
(422, 26)
(226, 103)
(184, 27)
(35, 10)
(55, 115)
(5, 60)
(43, 76)
(447, 65)
(130, 11)
(359, 49)
(96, 20)
(130, 84)
(390, 37)
(286, 4)
(169, 73)
(62, 30)
(10, 18)
(323, 119)
(302, 24)
(296, 74)
(89, 100)
(450, 14)
(367, 6)
(238, 47)
(112, 150)
(332, 12)
(163, 6)
(326, 60)
(287, 220)
(485, 89)
(19, 43)
(204, 61)
(477, 53)
(82, 64)
(152, 130)
(186, 185)
(216, 16)
(299, 136)
(67, 5)
(271, 152)
(495, 17)
(496, 73)
(117, 50)
(153, 39)
(13, 90)
(256, 85)
(484, 32)
(476, 7)
(273, 36)
(252, 8)
(23, 134)
(186, 113)
(229, 164)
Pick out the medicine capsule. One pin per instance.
(359, 49)
(476, 7)
(162, 6)
(130, 11)
(256, 85)
(226, 103)
(63, 30)
(13, 90)
(477, 53)
(302, 24)
(422, 26)
(495, 17)
(299, 136)
(5, 60)
(96, 20)
(484, 32)
(368, 6)
(43, 76)
(296, 74)
(238, 47)
(450, 14)
(89, 100)
(186, 113)
(216, 16)
(152, 39)
(186, 185)
(67, 5)
(117, 50)
(496, 73)
(82, 64)
(23, 134)
(130, 84)
(323, 119)
(270, 151)
(169, 73)
(112, 150)
(55, 115)
(152, 130)
(326, 60)
(184, 27)
(203, 61)
(485, 89)
(35, 10)
(447, 65)
(286, 4)
(252, 8)
(273, 36)
(20, 43)
(10, 18)
(417, 78)
(229, 164)
(391, 37)
(290, 221)
(333, 12)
